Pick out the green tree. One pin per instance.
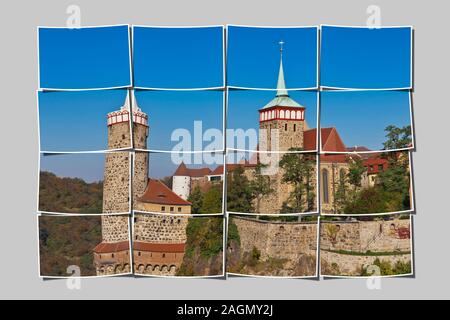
(397, 138)
(239, 192)
(355, 173)
(260, 185)
(212, 200)
(298, 172)
(196, 198)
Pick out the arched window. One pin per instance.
(299, 114)
(326, 198)
(282, 114)
(288, 114)
(273, 114)
(285, 127)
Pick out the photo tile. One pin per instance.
(178, 183)
(366, 121)
(179, 121)
(368, 183)
(84, 58)
(84, 246)
(267, 246)
(366, 246)
(256, 55)
(82, 121)
(266, 121)
(178, 245)
(272, 183)
(85, 183)
(178, 57)
(366, 58)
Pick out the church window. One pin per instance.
(325, 186)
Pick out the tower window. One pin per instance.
(325, 186)
(112, 255)
(123, 137)
(295, 127)
(163, 255)
(139, 254)
(285, 127)
(163, 208)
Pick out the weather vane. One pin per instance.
(281, 45)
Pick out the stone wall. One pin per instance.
(157, 263)
(334, 264)
(363, 236)
(160, 228)
(116, 190)
(119, 135)
(115, 228)
(112, 263)
(283, 240)
(275, 130)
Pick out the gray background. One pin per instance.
(18, 235)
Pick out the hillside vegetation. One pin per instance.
(69, 195)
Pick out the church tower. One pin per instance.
(282, 120)
(112, 255)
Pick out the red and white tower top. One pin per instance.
(123, 115)
(282, 107)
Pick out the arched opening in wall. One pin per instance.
(126, 267)
(156, 267)
(172, 268)
(164, 269)
(101, 271)
(325, 186)
(118, 269)
(149, 268)
(141, 268)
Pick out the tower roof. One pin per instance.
(157, 192)
(182, 170)
(282, 98)
(126, 105)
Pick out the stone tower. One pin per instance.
(282, 120)
(282, 126)
(112, 255)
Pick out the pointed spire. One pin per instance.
(126, 105)
(281, 85)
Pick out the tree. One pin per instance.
(397, 138)
(239, 193)
(212, 200)
(355, 173)
(299, 172)
(260, 185)
(196, 198)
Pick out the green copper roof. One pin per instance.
(282, 98)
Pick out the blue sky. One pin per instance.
(171, 110)
(254, 57)
(178, 57)
(243, 106)
(76, 121)
(366, 58)
(361, 116)
(86, 166)
(84, 58)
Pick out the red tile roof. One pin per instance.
(158, 192)
(182, 170)
(159, 247)
(230, 167)
(331, 141)
(112, 247)
(373, 164)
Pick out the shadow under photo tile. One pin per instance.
(268, 246)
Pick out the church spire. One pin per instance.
(281, 85)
